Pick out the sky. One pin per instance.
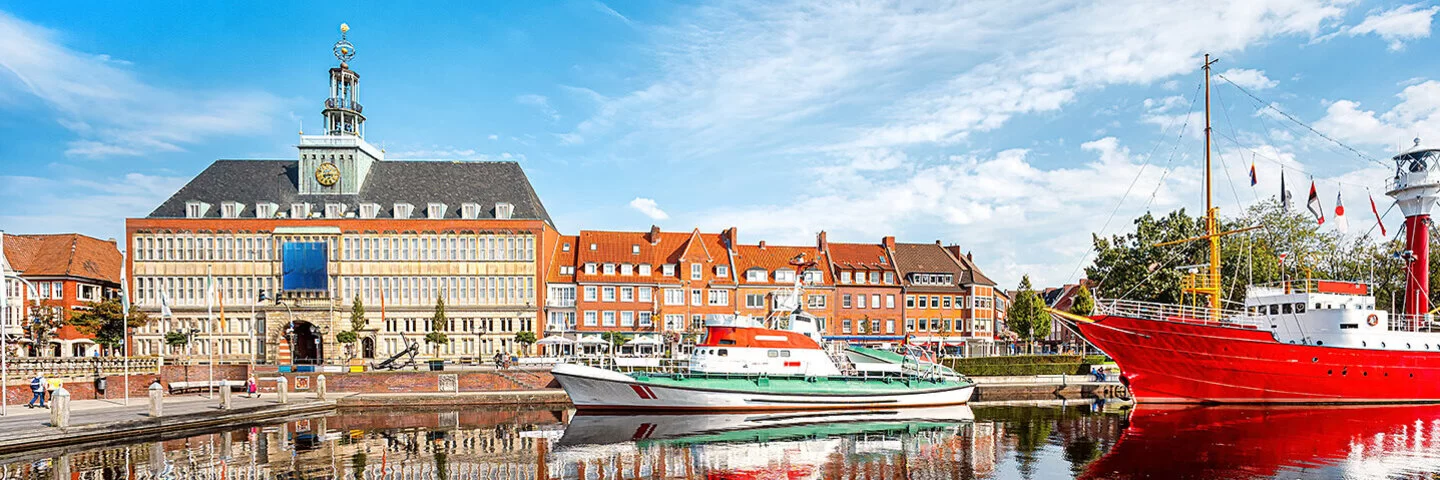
(1014, 129)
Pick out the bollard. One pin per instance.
(225, 395)
(60, 408)
(320, 388)
(157, 400)
(282, 388)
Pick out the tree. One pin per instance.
(105, 321)
(1084, 302)
(1027, 315)
(437, 324)
(526, 338)
(357, 315)
(44, 321)
(176, 339)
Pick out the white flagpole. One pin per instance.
(125, 321)
(210, 329)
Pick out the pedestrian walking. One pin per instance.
(251, 390)
(37, 391)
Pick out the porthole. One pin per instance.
(1314, 359)
(1345, 372)
(1329, 372)
(1407, 346)
(1319, 342)
(1362, 343)
(1382, 344)
(1364, 374)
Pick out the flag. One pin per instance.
(1340, 223)
(1282, 257)
(1253, 181)
(382, 306)
(1377, 217)
(221, 296)
(1284, 194)
(1314, 204)
(165, 306)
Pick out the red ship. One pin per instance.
(1294, 342)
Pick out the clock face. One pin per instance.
(327, 174)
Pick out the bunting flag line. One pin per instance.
(1284, 194)
(1253, 180)
(1314, 204)
(1377, 217)
(1340, 223)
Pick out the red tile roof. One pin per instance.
(64, 255)
(636, 248)
(776, 257)
(860, 256)
(563, 258)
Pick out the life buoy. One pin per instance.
(1373, 320)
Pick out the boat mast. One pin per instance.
(1211, 285)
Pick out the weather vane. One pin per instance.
(343, 49)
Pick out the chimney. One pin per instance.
(889, 242)
(762, 244)
(970, 256)
(732, 236)
(654, 235)
(820, 241)
(954, 251)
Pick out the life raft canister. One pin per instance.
(1373, 320)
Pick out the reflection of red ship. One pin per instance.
(1232, 441)
(1293, 342)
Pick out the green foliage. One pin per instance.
(357, 315)
(1025, 365)
(42, 325)
(526, 338)
(615, 338)
(1027, 316)
(105, 320)
(1084, 302)
(176, 338)
(437, 324)
(347, 337)
(1130, 266)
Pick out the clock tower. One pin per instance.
(338, 161)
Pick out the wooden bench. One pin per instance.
(201, 386)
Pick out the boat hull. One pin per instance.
(1176, 362)
(594, 389)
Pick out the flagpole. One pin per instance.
(125, 321)
(210, 330)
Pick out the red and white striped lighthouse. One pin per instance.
(1416, 188)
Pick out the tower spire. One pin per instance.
(343, 112)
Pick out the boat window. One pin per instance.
(785, 353)
(1317, 305)
(1274, 309)
(1286, 308)
(724, 352)
(727, 342)
(772, 353)
(1300, 308)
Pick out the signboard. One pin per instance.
(304, 267)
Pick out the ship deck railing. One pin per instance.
(1169, 312)
(1413, 323)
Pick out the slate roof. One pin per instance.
(64, 255)
(389, 182)
(926, 258)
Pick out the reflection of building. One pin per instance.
(284, 247)
(67, 271)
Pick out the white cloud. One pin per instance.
(603, 8)
(1249, 78)
(494, 137)
(540, 102)
(1406, 22)
(74, 202)
(109, 109)
(1416, 114)
(649, 208)
(451, 153)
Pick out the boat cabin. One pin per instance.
(1331, 313)
(741, 344)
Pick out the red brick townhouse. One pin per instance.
(767, 275)
(871, 298)
(67, 271)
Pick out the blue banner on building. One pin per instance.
(304, 266)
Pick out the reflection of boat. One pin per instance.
(780, 364)
(774, 445)
(1174, 441)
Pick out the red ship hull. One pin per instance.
(1177, 362)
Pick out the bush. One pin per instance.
(1025, 365)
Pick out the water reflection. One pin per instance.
(1030, 442)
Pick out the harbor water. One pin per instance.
(1035, 441)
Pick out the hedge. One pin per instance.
(1026, 365)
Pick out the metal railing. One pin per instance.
(1175, 313)
(1309, 286)
(72, 366)
(1413, 323)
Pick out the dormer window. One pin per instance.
(785, 275)
(609, 269)
(299, 210)
(634, 249)
(695, 271)
(335, 210)
(814, 277)
(627, 269)
(567, 270)
(369, 210)
(755, 275)
(722, 270)
(266, 210)
(403, 210)
(435, 211)
(592, 247)
(645, 269)
(470, 211)
(668, 270)
(231, 209)
(504, 210)
(196, 209)
(590, 269)
(845, 277)
(565, 247)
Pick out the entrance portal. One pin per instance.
(305, 344)
(367, 347)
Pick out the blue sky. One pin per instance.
(1014, 130)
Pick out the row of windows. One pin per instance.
(201, 346)
(191, 290)
(467, 290)
(862, 278)
(203, 325)
(461, 326)
(859, 301)
(609, 318)
(945, 301)
(617, 294)
(204, 247)
(783, 276)
(440, 248)
(784, 300)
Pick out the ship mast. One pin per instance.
(1211, 287)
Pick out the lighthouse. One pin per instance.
(1415, 188)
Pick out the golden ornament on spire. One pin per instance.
(344, 28)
